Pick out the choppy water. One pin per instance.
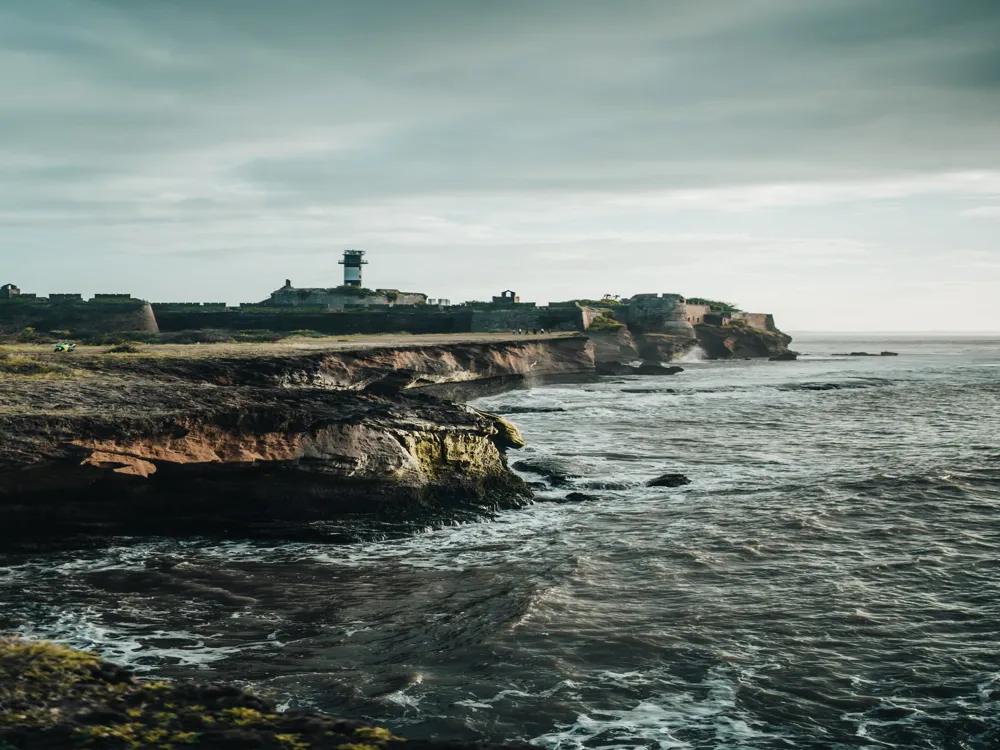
(830, 579)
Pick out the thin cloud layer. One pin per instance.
(463, 142)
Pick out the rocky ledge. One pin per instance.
(738, 341)
(98, 453)
(53, 697)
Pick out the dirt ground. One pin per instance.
(285, 346)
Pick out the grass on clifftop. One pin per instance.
(23, 366)
(55, 697)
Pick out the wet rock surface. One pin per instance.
(669, 480)
(552, 470)
(53, 697)
(105, 450)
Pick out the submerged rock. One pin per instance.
(669, 480)
(52, 698)
(580, 497)
(552, 470)
(616, 368)
(865, 354)
(653, 368)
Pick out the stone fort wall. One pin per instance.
(77, 316)
(528, 317)
(172, 318)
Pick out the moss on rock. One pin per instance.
(54, 697)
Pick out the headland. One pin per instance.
(304, 409)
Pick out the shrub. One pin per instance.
(714, 305)
(126, 348)
(604, 323)
(308, 333)
(28, 334)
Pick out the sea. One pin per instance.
(830, 578)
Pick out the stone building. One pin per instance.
(341, 297)
(507, 297)
(9, 291)
(654, 313)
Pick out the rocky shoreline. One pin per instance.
(53, 697)
(308, 443)
(282, 446)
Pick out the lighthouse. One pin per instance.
(352, 262)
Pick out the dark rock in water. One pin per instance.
(865, 354)
(552, 470)
(529, 409)
(616, 368)
(788, 356)
(652, 368)
(669, 480)
(572, 497)
(606, 485)
(54, 698)
(537, 486)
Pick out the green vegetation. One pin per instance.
(608, 300)
(714, 305)
(126, 348)
(357, 291)
(605, 323)
(53, 696)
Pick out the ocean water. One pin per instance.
(830, 578)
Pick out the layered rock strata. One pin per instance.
(264, 445)
(737, 341)
(124, 456)
(465, 368)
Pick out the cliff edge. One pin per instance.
(285, 445)
(738, 340)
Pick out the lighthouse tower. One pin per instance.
(352, 262)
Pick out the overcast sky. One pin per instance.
(836, 162)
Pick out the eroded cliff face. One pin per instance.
(129, 449)
(737, 341)
(514, 362)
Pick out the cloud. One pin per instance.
(983, 212)
(455, 129)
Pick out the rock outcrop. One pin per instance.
(132, 456)
(738, 340)
(285, 446)
(613, 345)
(661, 347)
(447, 370)
(53, 698)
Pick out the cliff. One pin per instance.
(131, 456)
(738, 340)
(274, 444)
(53, 697)
(454, 369)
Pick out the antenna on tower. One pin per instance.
(352, 262)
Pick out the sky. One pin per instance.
(836, 163)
